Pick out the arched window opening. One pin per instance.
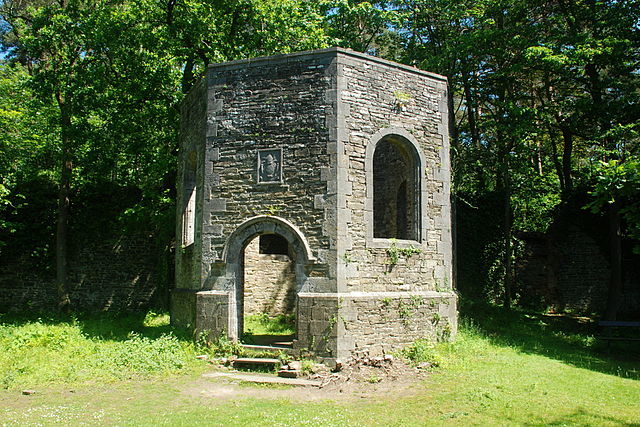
(396, 190)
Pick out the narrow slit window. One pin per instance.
(189, 219)
(189, 200)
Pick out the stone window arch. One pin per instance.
(395, 188)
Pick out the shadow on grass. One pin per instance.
(584, 417)
(106, 326)
(570, 339)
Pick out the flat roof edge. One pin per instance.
(331, 50)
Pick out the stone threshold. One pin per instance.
(264, 379)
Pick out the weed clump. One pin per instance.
(423, 353)
(139, 355)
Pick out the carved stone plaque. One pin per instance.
(270, 165)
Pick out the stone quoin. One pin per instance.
(346, 157)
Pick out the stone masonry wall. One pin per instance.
(113, 274)
(268, 105)
(288, 150)
(382, 323)
(375, 97)
(341, 325)
(568, 273)
(583, 275)
(270, 282)
(190, 174)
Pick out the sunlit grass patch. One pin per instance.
(263, 324)
(504, 368)
(50, 351)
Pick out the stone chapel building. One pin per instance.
(317, 183)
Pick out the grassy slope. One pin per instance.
(516, 368)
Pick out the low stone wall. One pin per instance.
(114, 274)
(317, 320)
(583, 274)
(269, 282)
(183, 308)
(382, 323)
(212, 316)
(373, 323)
(570, 271)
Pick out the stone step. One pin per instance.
(272, 349)
(265, 379)
(286, 373)
(255, 361)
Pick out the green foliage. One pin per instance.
(98, 95)
(539, 92)
(141, 356)
(422, 351)
(394, 253)
(619, 181)
(81, 349)
(360, 25)
(25, 124)
(544, 103)
(307, 366)
(224, 347)
(407, 309)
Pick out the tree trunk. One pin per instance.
(503, 184)
(187, 74)
(62, 230)
(556, 162)
(567, 151)
(471, 112)
(615, 245)
(453, 127)
(508, 248)
(473, 127)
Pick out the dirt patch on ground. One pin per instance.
(358, 379)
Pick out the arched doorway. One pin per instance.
(277, 236)
(268, 291)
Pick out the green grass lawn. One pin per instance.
(263, 324)
(515, 368)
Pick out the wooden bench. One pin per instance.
(610, 326)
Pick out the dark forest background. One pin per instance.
(544, 107)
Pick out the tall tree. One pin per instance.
(115, 69)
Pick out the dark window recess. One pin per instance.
(401, 212)
(273, 244)
(396, 190)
